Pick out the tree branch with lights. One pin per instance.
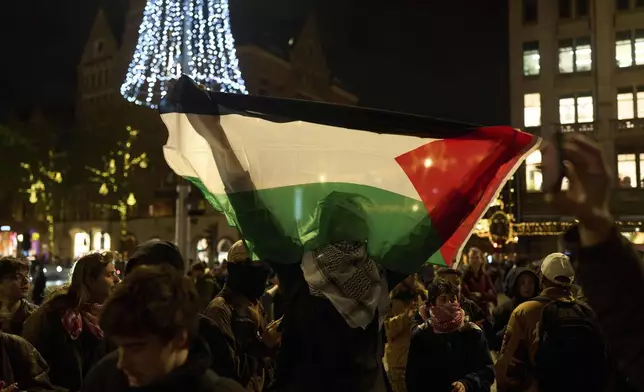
(43, 180)
(115, 174)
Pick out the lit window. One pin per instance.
(585, 110)
(625, 106)
(81, 244)
(641, 177)
(624, 49)
(639, 47)
(640, 102)
(583, 56)
(533, 172)
(575, 55)
(567, 110)
(566, 59)
(629, 48)
(531, 58)
(627, 170)
(532, 110)
(576, 109)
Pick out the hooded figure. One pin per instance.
(521, 284)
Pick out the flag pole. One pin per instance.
(181, 222)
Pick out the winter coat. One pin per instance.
(481, 284)
(319, 351)
(501, 314)
(69, 359)
(612, 277)
(241, 322)
(21, 363)
(398, 327)
(436, 360)
(193, 376)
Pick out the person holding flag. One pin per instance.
(341, 205)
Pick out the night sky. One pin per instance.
(442, 58)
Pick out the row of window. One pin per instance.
(579, 108)
(575, 55)
(630, 171)
(569, 9)
(96, 79)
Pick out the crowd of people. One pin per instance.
(332, 323)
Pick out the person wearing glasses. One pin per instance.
(14, 288)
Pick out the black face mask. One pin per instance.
(248, 279)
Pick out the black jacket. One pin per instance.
(69, 360)
(501, 314)
(194, 376)
(436, 360)
(20, 363)
(612, 277)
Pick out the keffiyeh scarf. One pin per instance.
(447, 318)
(345, 275)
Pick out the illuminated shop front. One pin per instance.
(203, 250)
(220, 252)
(8, 241)
(223, 246)
(101, 241)
(82, 243)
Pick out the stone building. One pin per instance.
(578, 66)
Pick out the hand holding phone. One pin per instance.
(552, 167)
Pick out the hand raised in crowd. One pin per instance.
(11, 388)
(271, 336)
(458, 387)
(587, 196)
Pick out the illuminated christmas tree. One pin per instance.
(177, 37)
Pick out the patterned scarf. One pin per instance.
(446, 318)
(351, 280)
(74, 320)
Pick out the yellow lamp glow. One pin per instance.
(131, 200)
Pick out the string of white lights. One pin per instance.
(183, 36)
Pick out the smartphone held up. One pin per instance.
(552, 167)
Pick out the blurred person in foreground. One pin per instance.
(447, 353)
(596, 244)
(65, 328)
(406, 299)
(237, 312)
(14, 288)
(22, 368)
(152, 318)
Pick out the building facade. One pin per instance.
(578, 66)
(300, 71)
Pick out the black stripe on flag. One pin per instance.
(187, 97)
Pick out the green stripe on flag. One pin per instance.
(390, 218)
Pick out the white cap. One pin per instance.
(557, 265)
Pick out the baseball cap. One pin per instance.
(557, 266)
(237, 253)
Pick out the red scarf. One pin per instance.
(74, 320)
(446, 318)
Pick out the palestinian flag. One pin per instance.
(294, 175)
